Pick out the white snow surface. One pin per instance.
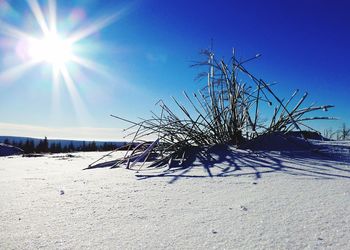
(239, 200)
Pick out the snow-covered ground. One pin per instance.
(232, 200)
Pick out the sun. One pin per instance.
(44, 43)
(52, 48)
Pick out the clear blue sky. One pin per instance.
(144, 52)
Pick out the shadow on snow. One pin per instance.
(223, 161)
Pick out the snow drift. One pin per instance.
(277, 142)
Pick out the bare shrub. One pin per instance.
(225, 111)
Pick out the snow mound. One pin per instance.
(308, 135)
(277, 142)
(6, 150)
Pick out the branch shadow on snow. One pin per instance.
(223, 161)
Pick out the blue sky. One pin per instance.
(144, 54)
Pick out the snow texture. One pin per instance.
(232, 199)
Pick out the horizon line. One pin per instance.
(78, 133)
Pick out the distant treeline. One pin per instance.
(44, 146)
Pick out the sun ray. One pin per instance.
(13, 32)
(55, 76)
(55, 95)
(36, 9)
(52, 15)
(93, 28)
(78, 103)
(11, 74)
(55, 86)
(91, 65)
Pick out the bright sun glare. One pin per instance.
(51, 48)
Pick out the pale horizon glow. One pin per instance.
(64, 133)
